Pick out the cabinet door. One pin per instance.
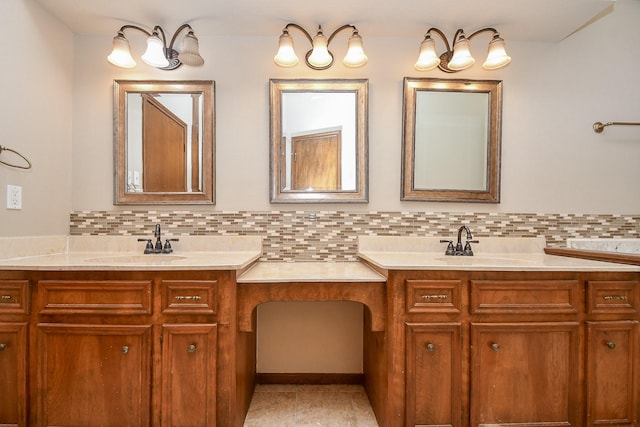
(525, 373)
(612, 373)
(13, 374)
(94, 375)
(434, 374)
(189, 375)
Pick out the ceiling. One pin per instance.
(530, 20)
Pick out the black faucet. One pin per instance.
(459, 249)
(158, 235)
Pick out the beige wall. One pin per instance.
(553, 92)
(35, 118)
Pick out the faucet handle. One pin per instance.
(450, 248)
(167, 246)
(467, 247)
(148, 249)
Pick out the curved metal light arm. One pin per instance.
(493, 30)
(340, 29)
(178, 31)
(160, 30)
(307, 35)
(135, 27)
(442, 36)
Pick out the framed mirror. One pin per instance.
(164, 142)
(451, 140)
(319, 141)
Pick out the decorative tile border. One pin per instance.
(332, 235)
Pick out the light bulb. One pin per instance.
(355, 56)
(121, 54)
(154, 55)
(286, 56)
(428, 59)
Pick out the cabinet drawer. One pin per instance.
(613, 297)
(14, 297)
(525, 296)
(112, 297)
(433, 296)
(189, 296)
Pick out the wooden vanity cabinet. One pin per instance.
(126, 349)
(14, 326)
(514, 348)
(613, 353)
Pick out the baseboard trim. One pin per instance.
(309, 378)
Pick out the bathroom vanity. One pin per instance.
(99, 337)
(510, 336)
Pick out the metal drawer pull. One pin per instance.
(4, 298)
(431, 347)
(615, 297)
(191, 348)
(611, 345)
(2, 346)
(440, 296)
(125, 349)
(495, 346)
(193, 297)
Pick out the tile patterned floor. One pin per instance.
(284, 405)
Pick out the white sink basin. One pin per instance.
(482, 260)
(136, 259)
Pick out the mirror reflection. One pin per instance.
(318, 140)
(451, 148)
(164, 142)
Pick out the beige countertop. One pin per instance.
(126, 253)
(490, 254)
(267, 272)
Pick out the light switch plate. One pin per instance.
(14, 197)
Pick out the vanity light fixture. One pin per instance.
(158, 54)
(458, 57)
(319, 57)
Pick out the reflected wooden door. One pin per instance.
(164, 138)
(316, 161)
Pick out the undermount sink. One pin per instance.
(136, 259)
(482, 260)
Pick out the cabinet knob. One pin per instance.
(125, 349)
(2, 346)
(495, 346)
(191, 348)
(431, 347)
(611, 345)
(5, 299)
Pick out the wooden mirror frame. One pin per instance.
(207, 193)
(276, 89)
(491, 194)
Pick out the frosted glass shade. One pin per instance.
(428, 59)
(462, 58)
(190, 54)
(355, 56)
(320, 56)
(154, 55)
(120, 56)
(497, 56)
(286, 56)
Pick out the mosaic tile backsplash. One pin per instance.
(333, 235)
